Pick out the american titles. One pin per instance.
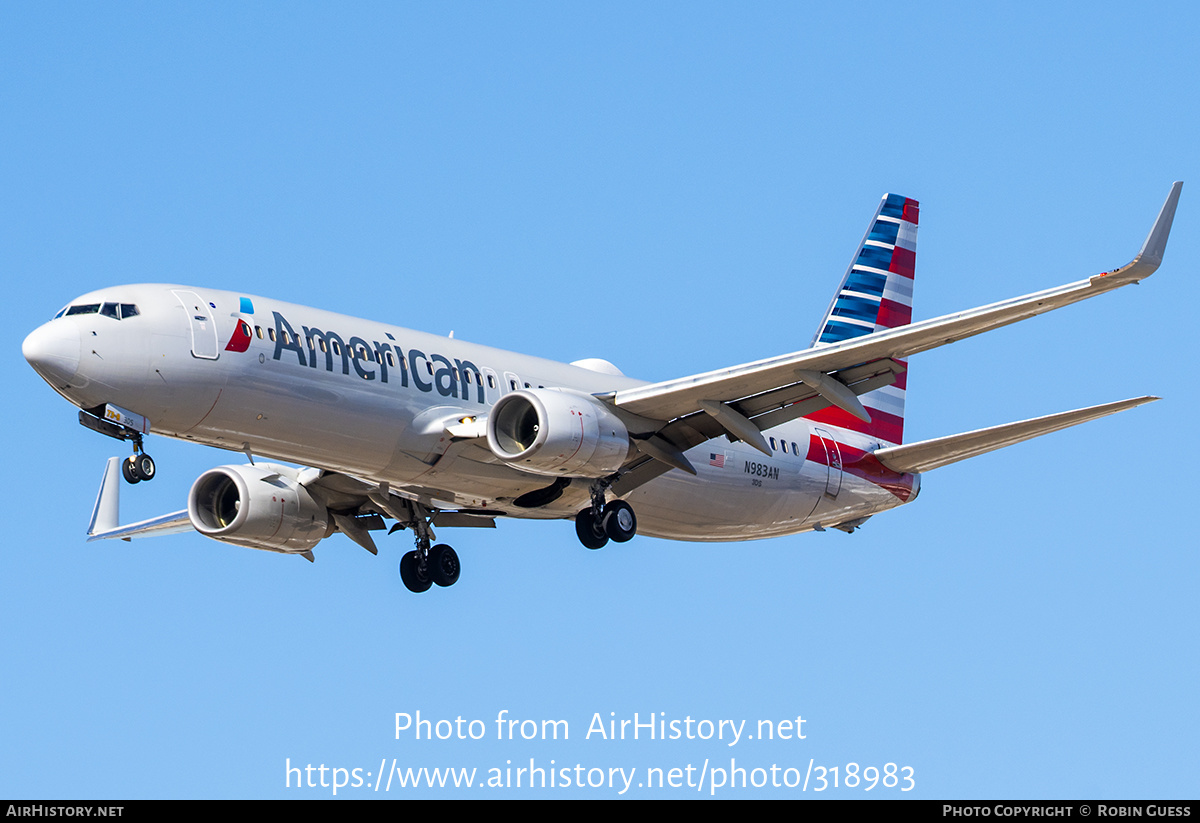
(428, 372)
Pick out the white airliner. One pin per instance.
(430, 431)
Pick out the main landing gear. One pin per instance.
(439, 565)
(427, 565)
(602, 522)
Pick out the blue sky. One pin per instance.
(675, 188)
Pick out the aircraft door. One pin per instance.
(202, 323)
(833, 460)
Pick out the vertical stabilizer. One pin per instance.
(876, 294)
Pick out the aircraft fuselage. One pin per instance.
(373, 401)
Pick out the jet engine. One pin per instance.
(261, 507)
(557, 432)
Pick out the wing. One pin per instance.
(742, 400)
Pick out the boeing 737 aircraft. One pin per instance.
(429, 431)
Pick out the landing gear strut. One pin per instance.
(602, 522)
(426, 564)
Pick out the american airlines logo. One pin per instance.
(428, 372)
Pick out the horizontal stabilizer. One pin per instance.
(942, 451)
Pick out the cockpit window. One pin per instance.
(117, 311)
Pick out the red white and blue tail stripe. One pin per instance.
(876, 294)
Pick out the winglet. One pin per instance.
(1151, 255)
(1156, 242)
(105, 514)
(106, 522)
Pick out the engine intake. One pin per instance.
(262, 507)
(557, 432)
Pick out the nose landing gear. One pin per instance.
(119, 424)
(139, 467)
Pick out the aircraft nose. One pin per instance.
(53, 351)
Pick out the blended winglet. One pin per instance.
(105, 513)
(105, 522)
(1156, 242)
(1151, 256)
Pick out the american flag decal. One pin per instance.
(717, 460)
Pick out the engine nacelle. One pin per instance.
(262, 507)
(557, 432)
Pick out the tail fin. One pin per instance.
(876, 294)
